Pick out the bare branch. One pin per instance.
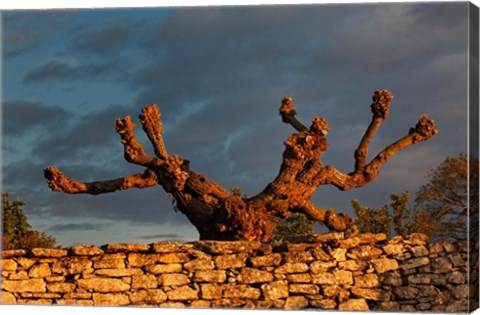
(287, 111)
(57, 181)
(133, 149)
(152, 125)
(380, 110)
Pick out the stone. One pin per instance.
(393, 279)
(458, 291)
(441, 265)
(271, 260)
(41, 295)
(35, 302)
(25, 263)
(103, 285)
(417, 239)
(456, 277)
(150, 296)
(200, 304)
(364, 252)
(110, 299)
(171, 258)
(59, 287)
(74, 302)
(275, 290)
(352, 265)
(319, 254)
(437, 279)
(71, 265)
(339, 254)
(217, 276)
(252, 275)
(295, 302)
(370, 238)
(231, 261)
(383, 265)
(288, 268)
(7, 298)
(32, 285)
(419, 279)
(240, 291)
(170, 247)
(55, 279)
(172, 305)
(371, 294)
(21, 275)
(223, 248)
(297, 256)
(119, 272)
(394, 249)
(323, 278)
(182, 293)
(40, 271)
(144, 282)
(173, 279)
(8, 265)
(48, 252)
(415, 263)
(74, 295)
(426, 291)
(388, 306)
(210, 291)
(125, 247)
(324, 304)
(13, 253)
(86, 250)
(141, 260)
(303, 288)
(405, 293)
(367, 281)
(163, 268)
(349, 242)
(343, 277)
(457, 260)
(322, 266)
(299, 278)
(354, 305)
(419, 251)
(199, 264)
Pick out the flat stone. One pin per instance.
(419, 279)
(354, 305)
(324, 304)
(441, 265)
(457, 260)
(103, 285)
(456, 277)
(110, 299)
(295, 302)
(367, 281)
(419, 251)
(25, 263)
(371, 294)
(297, 256)
(405, 293)
(21, 275)
(339, 254)
(48, 252)
(55, 279)
(394, 249)
(170, 247)
(240, 291)
(231, 261)
(71, 265)
(172, 305)
(322, 266)
(370, 238)
(74, 302)
(271, 260)
(288, 268)
(7, 298)
(163, 268)
(172, 258)
(86, 250)
(252, 275)
(41, 295)
(393, 279)
(218, 276)
(32, 285)
(414, 263)
(126, 248)
(299, 278)
(364, 252)
(199, 264)
(349, 242)
(182, 293)
(426, 291)
(173, 279)
(417, 239)
(210, 291)
(8, 265)
(144, 282)
(319, 254)
(13, 253)
(59, 287)
(383, 265)
(325, 278)
(275, 290)
(352, 265)
(119, 272)
(303, 288)
(220, 247)
(35, 302)
(150, 296)
(74, 295)
(141, 260)
(343, 277)
(40, 271)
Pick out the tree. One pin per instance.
(218, 214)
(297, 224)
(441, 206)
(17, 232)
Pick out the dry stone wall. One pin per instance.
(320, 272)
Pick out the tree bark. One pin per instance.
(218, 214)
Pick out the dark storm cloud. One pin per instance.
(66, 70)
(75, 227)
(22, 116)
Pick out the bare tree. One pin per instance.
(220, 215)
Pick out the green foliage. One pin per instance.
(238, 191)
(374, 220)
(297, 224)
(17, 232)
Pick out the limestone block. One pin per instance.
(60, 287)
(71, 266)
(394, 249)
(405, 293)
(364, 252)
(456, 277)
(393, 279)
(218, 276)
(125, 248)
(417, 239)
(110, 261)
(252, 275)
(299, 278)
(150, 296)
(231, 261)
(144, 282)
(271, 260)
(457, 260)
(40, 271)
(240, 291)
(35, 301)
(419, 279)
(41, 295)
(288, 268)
(21, 275)
(319, 254)
(303, 288)
(426, 291)
(170, 279)
(74, 302)
(223, 248)
(170, 247)
(119, 272)
(383, 265)
(370, 238)
(339, 254)
(25, 263)
(354, 305)
(367, 281)
(13, 253)
(103, 285)
(419, 251)
(7, 298)
(295, 302)
(48, 252)
(324, 304)
(297, 256)
(458, 291)
(352, 265)
(182, 293)
(163, 268)
(141, 260)
(172, 258)
(349, 242)
(86, 250)
(210, 291)
(74, 295)
(200, 304)
(32, 285)
(275, 290)
(55, 279)
(343, 277)
(322, 266)
(172, 305)
(8, 265)
(324, 278)
(414, 263)
(199, 264)
(371, 294)
(110, 299)
(441, 265)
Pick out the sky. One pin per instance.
(218, 75)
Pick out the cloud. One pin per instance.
(161, 236)
(75, 227)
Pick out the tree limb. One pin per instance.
(152, 125)
(287, 111)
(57, 181)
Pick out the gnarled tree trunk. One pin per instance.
(220, 215)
